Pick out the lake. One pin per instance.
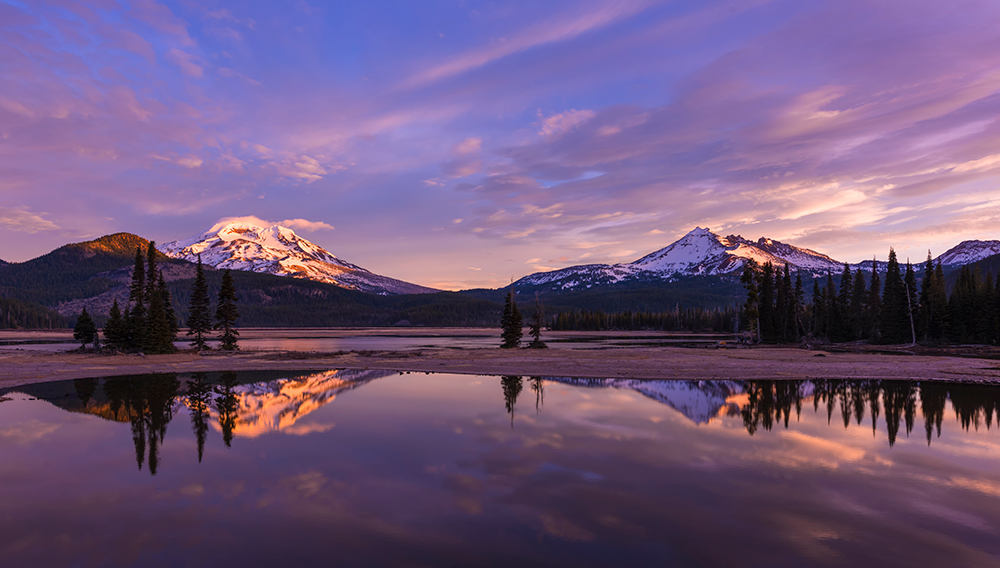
(375, 468)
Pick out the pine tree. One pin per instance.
(874, 305)
(833, 318)
(766, 301)
(85, 330)
(115, 330)
(910, 286)
(859, 308)
(168, 307)
(511, 323)
(844, 301)
(895, 321)
(199, 320)
(799, 305)
(137, 303)
(535, 326)
(751, 308)
(158, 338)
(151, 271)
(926, 312)
(226, 313)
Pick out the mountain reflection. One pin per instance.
(235, 407)
(244, 406)
(898, 405)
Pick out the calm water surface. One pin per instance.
(374, 468)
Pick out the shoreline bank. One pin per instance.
(670, 363)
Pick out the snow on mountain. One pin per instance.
(699, 401)
(278, 250)
(969, 251)
(698, 253)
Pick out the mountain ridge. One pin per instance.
(702, 252)
(277, 250)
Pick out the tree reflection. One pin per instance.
(227, 404)
(147, 404)
(512, 386)
(771, 402)
(538, 388)
(199, 397)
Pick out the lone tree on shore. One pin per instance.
(85, 330)
(199, 320)
(226, 313)
(535, 326)
(511, 323)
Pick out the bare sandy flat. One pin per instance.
(21, 367)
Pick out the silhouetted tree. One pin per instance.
(511, 323)
(137, 303)
(226, 313)
(535, 326)
(85, 331)
(115, 329)
(199, 320)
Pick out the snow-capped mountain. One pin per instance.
(704, 253)
(698, 253)
(278, 250)
(969, 251)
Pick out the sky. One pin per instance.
(463, 143)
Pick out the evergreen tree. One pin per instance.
(158, 338)
(115, 330)
(910, 285)
(939, 296)
(926, 313)
(535, 326)
(859, 308)
(199, 320)
(137, 303)
(168, 307)
(751, 308)
(151, 271)
(511, 323)
(844, 301)
(818, 311)
(766, 304)
(875, 305)
(799, 305)
(85, 331)
(226, 313)
(833, 312)
(895, 321)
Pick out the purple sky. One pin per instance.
(461, 143)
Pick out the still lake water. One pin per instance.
(376, 468)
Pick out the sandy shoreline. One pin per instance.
(23, 367)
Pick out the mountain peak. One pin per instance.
(273, 249)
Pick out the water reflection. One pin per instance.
(436, 470)
(248, 408)
(236, 407)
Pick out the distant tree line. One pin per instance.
(18, 314)
(864, 308)
(718, 320)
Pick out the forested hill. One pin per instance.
(77, 270)
(94, 274)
